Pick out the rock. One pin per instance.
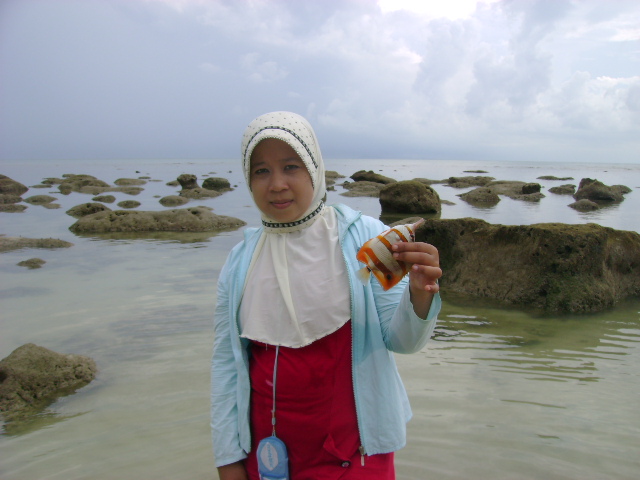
(409, 197)
(87, 209)
(585, 205)
(125, 182)
(32, 377)
(172, 183)
(480, 197)
(371, 176)
(188, 181)
(9, 198)
(466, 182)
(173, 201)
(552, 267)
(362, 189)
(567, 189)
(597, 191)
(40, 199)
(10, 186)
(428, 181)
(81, 183)
(529, 188)
(197, 219)
(216, 183)
(16, 243)
(551, 177)
(31, 263)
(104, 198)
(12, 208)
(514, 189)
(475, 171)
(129, 204)
(330, 178)
(199, 192)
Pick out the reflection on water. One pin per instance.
(508, 394)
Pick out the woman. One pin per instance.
(302, 349)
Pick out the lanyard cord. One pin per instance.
(273, 411)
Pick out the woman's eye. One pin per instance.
(260, 171)
(291, 167)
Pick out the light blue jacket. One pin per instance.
(382, 322)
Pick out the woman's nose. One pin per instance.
(278, 182)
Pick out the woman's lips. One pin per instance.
(280, 204)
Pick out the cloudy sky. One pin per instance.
(533, 80)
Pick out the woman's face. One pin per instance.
(280, 182)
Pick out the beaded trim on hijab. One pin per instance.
(272, 227)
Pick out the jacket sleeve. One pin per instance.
(402, 330)
(224, 378)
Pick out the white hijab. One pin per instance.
(296, 289)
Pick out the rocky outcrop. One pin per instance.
(197, 219)
(409, 197)
(567, 189)
(31, 377)
(87, 209)
(82, 183)
(126, 182)
(552, 267)
(481, 197)
(330, 177)
(190, 188)
(173, 201)
(598, 192)
(529, 192)
(40, 199)
(104, 198)
(362, 189)
(217, 183)
(371, 176)
(10, 186)
(9, 198)
(553, 177)
(585, 205)
(16, 243)
(129, 204)
(466, 182)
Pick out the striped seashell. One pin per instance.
(377, 255)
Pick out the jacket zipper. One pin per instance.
(361, 449)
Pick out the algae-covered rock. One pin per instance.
(371, 176)
(596, 191)
(409, 197)
(87, 209)
(32, 263)
(362, 189)
(585, 205)
(125, 182)
(10, 186)
(471, 181)
(567, 189)
(481, 197)
(16, 243)
(217, 183)
(129, 204)
(552, 267)
(40, 199)
(173, 201)
(517, 190)
(31, 377)
(196, 219)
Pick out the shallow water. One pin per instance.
(498, 393)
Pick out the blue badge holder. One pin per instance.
(273, 460)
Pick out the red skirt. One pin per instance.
(315, 411)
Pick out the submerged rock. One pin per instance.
(196, 219)
(553, 267)
(104, 198)
(32, 377)
(16, 243)
(9, 198)
(465, 182)
(129, 204)
(409, 197)
(32, 263)
(125, 182)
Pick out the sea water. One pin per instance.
(497, 393)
